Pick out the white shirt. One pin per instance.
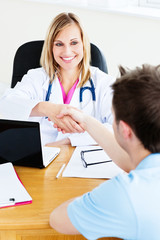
(17, 103)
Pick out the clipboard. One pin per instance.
(12, 191)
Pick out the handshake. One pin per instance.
(71, 120)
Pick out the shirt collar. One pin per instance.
(152, 160)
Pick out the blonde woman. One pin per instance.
(61, 82)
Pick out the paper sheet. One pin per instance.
(11, 187)
(75, 167)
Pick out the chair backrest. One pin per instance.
(28, 57)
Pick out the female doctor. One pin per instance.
(65, 79)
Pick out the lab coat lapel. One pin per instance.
(87, 104)
(75, 98)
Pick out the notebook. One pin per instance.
(12, 191)
(20, 143)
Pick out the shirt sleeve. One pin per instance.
(81, 139)
(85, 139)
(104, 212)
(17, 103)
(16, 107)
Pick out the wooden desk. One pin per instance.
(31, 222)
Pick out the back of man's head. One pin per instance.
(136, 100)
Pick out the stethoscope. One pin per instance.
(82, 89)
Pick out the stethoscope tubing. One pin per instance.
(82, 89)
(48, 92)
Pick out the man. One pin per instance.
(127, 206)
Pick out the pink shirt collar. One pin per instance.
(67, 98)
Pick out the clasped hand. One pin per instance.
(63, 120)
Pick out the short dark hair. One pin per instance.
(136, 100)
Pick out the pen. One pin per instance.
(9, 202)
(60, 171)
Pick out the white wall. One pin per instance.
(124, 39)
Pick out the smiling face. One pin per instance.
(68, 48)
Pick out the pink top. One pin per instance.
(67, 98)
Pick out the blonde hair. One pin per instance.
(47, 60)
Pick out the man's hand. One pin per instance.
(72, 113)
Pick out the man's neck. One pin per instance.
(137, 155)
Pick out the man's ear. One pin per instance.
(125, 129)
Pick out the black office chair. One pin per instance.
(28, 57)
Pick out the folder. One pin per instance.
(12, 191)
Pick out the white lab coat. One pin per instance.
(17, 103)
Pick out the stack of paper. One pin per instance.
(75, 166)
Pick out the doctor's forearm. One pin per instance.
(46, 109)
(39, 110)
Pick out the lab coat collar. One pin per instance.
(75, 97)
